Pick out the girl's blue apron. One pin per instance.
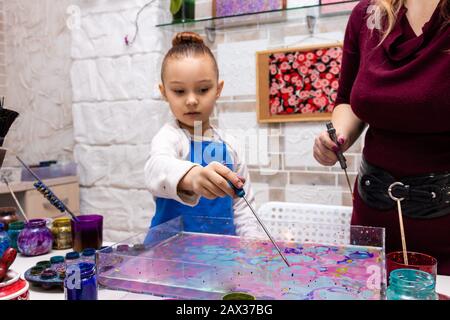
(202, 152)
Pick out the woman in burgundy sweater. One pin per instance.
(396, 79)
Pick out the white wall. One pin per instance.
(116, 109)
(38, 86)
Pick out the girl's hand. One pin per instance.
(210, 181)
(325, 149)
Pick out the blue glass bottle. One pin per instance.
(5, 241)
(410, 284)
(81, 282)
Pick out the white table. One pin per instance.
(22, 264)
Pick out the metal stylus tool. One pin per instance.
(342, 161)
(241, 194)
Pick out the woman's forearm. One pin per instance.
(347, 124)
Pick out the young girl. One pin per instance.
(190, 162)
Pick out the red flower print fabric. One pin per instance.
(304, 82)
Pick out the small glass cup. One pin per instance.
(416, 260)
(411, 284)
(87, 232)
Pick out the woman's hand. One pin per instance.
(211, 181)
(325, 149)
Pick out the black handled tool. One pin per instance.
(241, 194)
(342, 161)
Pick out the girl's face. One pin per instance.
(190, 86)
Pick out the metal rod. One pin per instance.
(267, 232)
(15, 199)
(349, 184)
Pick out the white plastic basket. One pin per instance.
(301, 222)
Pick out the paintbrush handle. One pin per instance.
(15, 200)
(52, 198)
(42, 188)
(332, 133)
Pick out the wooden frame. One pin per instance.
(302, 94)
(237, 7)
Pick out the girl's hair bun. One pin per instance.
(187, 38)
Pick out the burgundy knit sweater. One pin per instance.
(401, 88)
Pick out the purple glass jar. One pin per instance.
(87, 232)
(35, 239)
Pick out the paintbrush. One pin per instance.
(47, 193)
(7, 118)
(15, 199)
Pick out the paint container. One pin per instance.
(48, 274)
(238, 296)
(81, 282)
(57, 263)
(88, 255)
(5, 241)
(72, 258)
(410, 284)
(416, 260)
(7, 216)
(62, 233)
(87, 232)
(36, 270)
(44, 264)
(14, 230)
(35, 239)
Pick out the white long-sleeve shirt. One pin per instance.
(168, 164)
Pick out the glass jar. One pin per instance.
(81, 282)
(410, 284)
(36, 239)
(88, 255)
(62, 233)
(5, 241)
(57, 262)
(182, 10)
(13, 231)
(7, 216)
(72, 257)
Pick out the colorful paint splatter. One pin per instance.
(235, 7)
(304, 82)
(200, 266)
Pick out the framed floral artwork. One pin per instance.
(224, 8)
(298, 84)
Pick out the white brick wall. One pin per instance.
(116, 110)
(37, 65)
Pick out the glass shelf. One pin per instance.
(266, 17)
